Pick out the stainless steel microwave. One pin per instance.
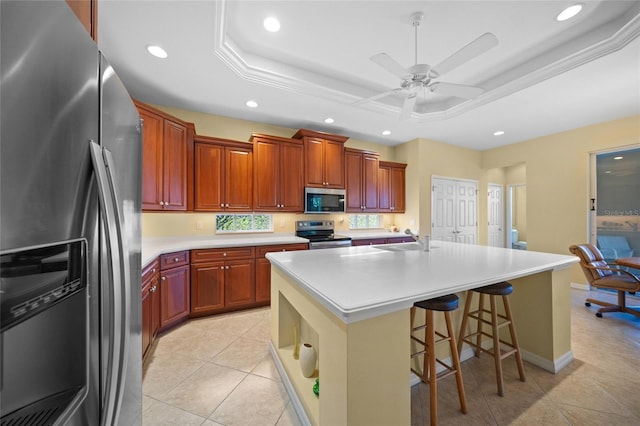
(323, 200)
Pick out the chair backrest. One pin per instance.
(590, 256)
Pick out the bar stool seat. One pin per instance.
(497, 321)
(429, 374)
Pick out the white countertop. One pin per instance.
(362, 282)
(153, 247)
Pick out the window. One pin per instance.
(243, 223)
(365, 221)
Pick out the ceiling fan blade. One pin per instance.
(389, 64)
(456, 90)
(407, 107)
(477, 47)
(378, 96)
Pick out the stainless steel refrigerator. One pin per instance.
(70, 197)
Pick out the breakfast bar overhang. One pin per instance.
(352, 304)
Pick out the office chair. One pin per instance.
(601, 275)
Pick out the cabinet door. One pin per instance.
(353, 172)
(155, 306)
(146, 318)
(370, 182)
(334, 164)
(239, 285)
(266, 158)
(209, 177)
(263, 280)
(152, 193)
(384, 189)
(291, 185)
(174, 296)
(238, 179)
(175, 166)
(398, 189)
(207, 287)
(314, 162)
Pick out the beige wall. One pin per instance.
(557, 178)
(555, 169)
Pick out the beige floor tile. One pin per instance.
(198, 343)
(243, 354)
(162, 414)
(261, 331)
(203, 391)
(267, 368)
(586, 417)
(256, 401)
(166, 372)
(289, 417)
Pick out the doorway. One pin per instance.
(517, 216)
(615, 203)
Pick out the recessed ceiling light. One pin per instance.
(329, 120)
(157, 51)
(569, 12)
(498, 133)
(252, 104)
(271, 24)
(386, 132)
(618, 158)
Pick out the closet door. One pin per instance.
(454, 210)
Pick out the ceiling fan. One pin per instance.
(422, 76)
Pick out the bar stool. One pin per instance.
(496, 322)
(429, 374)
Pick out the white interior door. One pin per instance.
(495, 215)
(454, 210)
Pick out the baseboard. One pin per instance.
(581, 286)
(293, 396)
(550, 366)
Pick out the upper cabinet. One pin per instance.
(167, 148)
(361, 169)
(278, 165)
(223, 172)
(391, 187)
(87, 13)
(324, 158)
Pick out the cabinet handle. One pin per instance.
(227, 205)
(177, 259)
(162, 203)
(284, 249)
(222, 205)
(153, 271)
(164, 278)
(224, 254)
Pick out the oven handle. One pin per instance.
(329, 244)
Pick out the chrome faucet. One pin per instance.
(414, 236)
(426, 245)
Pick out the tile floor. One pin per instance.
(218, 371)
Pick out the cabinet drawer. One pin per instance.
(369, 242)
(172, 260)
(208, 255)
(150, 270)
(400, 240)
(261, 251)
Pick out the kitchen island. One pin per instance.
(352, 304)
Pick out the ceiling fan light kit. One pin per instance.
(421, 76)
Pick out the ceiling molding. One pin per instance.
(262, 70)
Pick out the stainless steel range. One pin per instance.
(320, 234)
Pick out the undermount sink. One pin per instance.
(400, 247)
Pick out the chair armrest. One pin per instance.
(614, 269)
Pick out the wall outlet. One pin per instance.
(282, 223)
(199, 225)
(412, 222)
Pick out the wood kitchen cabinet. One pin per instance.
(223, 175)
(87, 13)
(174, 288)
(150, 305)
(222, 279)
(391, 187)
(167, 152)
(324, 158)
(278, 165)
(263, 268)
(361, 170)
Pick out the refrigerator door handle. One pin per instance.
(120, 315)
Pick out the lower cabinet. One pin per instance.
(263, 269)
(150, 305)
(222, 280)
(174, 288)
